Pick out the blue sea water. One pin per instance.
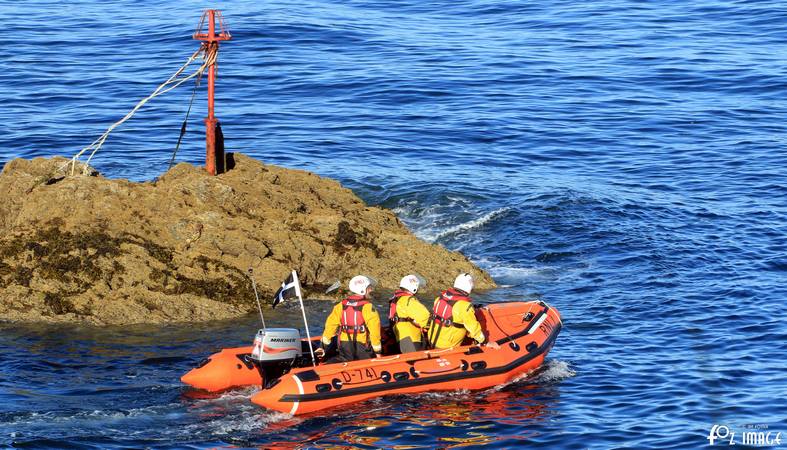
(621, 160)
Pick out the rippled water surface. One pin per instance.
(624, 161)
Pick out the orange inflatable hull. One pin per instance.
(224, 370)
(230, 368)
(525, 331)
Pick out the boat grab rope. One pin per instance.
(209, 52)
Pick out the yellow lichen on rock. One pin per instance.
(111, 251)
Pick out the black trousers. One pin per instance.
(362, 351)
(407, 345)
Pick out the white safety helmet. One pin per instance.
(410, 283)
(464, 282)
(359, 284)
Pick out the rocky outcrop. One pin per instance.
(110, 251)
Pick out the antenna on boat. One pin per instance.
(257, 296)
(303, 311)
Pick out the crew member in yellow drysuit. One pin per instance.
(408, 315)
(357, 323)
(453, 316)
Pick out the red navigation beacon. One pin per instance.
(214, 154)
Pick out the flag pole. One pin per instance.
(303, 311)
(257, 296)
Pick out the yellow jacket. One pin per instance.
(408, 307)
(463, 314)
(372, 324)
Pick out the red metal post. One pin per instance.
(214, 162)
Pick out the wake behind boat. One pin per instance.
(525, 331)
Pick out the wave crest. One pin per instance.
(433, 235)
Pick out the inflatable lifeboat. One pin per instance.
(279, 362)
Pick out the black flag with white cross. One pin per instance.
(288, 289)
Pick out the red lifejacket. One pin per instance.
(352, 321)
(444, 307)
(392, 316)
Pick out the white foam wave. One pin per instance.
(521, 273)
(554, 370)
(412, 209)
(238, 394)
(442, 395)
(249, 420)
(550, 372)
(92, 416)
(434, 235)
(509, 276)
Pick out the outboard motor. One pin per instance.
(275, 351)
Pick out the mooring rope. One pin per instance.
(210, 55)
(185, 121)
